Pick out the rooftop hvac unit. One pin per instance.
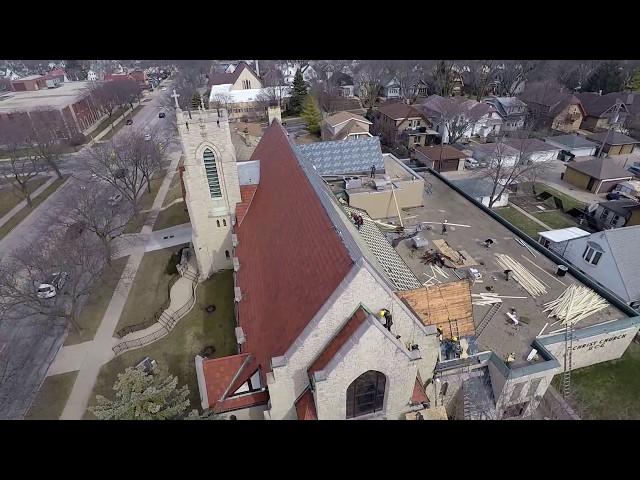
(352, 182)
(381, 184)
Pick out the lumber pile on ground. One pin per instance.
(575, 303)
(523, 276)
(488, 298)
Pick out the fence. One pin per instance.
(168, 321)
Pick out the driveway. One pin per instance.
(28, 347)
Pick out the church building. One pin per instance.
(308, 290)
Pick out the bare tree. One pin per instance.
(368, 79)
(409, 75)
(512, 74)
(456, 115)
(23, 168)
(481, 77)
(443, 76)
(80, 262)
(115, 163)
(43, 138)
(149, 154)
(507, 167)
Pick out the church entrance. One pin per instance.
(366, 394)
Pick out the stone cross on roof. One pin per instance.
(175, 96)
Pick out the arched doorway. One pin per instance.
(366, 394)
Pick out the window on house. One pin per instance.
(592, 255)
(218, 222)
(212, 174)
(366, 394)
(226, 254)
(604, 213)
(615, 219)
(246, 84)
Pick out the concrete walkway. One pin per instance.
(527, 214)
(100, 351)
(156, 240)
(9, 215)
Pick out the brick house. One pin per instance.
(31, 83)
(400, 124)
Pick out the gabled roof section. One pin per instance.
(347, 330)
(613, 138)
(400, 111)
(343, 117)
(352, 127)
(600, 168)
(219, 373)
(287, 237)
(623, 244)
(419, 396)
(338, 157)
(571, 141)
(225, 78)
(306, 406)
(596, 105)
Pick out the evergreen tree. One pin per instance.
(298, 94)
(635, 81)
(311, 114)
(608, 77)
(144, 396)
(195, 101)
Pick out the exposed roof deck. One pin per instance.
(500, 336)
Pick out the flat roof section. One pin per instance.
(51, 98)
(500, 335)
(562, 234)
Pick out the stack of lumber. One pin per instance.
(523, 276)
(488, 298)
(575, 303)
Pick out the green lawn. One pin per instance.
(555, 219)
(145, 203)
(524, 223)
(568, 202)
(174, 215)
(9, 196)
(97, 303)
(610, 390)
(177, 350)
(22, 214)
(150, 288)
(175, 190)
(52, 397)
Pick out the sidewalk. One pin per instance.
(100, 351)
(9, 215)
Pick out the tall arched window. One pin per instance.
(366, 394)
(226, 254)
(212, 173)
(218, 222)
(224, 222)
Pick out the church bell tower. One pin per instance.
(211, 184)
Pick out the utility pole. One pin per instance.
(614, 123)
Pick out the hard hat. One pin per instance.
(455, 339)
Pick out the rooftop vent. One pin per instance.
(237, 293)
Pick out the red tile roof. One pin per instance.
(246, 193)
(218, 374)
(242, 401)
(418, 393)
(306, 407)
(358, 317)
(291, 258)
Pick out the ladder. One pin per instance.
(488, 317)
(568, 348)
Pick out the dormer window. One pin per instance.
(592, 253)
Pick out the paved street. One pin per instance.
(31, 345)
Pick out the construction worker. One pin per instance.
(444, 227)
(386, 314)
(373, 171)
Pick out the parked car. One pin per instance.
(129, 121)
(161, 115)
(46, 290)
(164, 89)
(115, 199)
(471, 163)
(147, 136)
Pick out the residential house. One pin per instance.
(614, 214)
(401, 124)
(557, 240)
(611, 259)
(442, 158)
(597, 175)
(481, 190)
(92, 76)
(242, 93)
(614, 143)
(599, 110)
(512, 110)
(390, 87)
(31, 83)
(289, 72)
(481, 119)
(492, 153)
(534, 150)
(550, 108)
(573, 145)
(345, 126)
(344, 84)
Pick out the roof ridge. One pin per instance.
(615, 261)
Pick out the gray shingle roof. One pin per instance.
(614, 138)
(600, 168)
(623, 243)
(475, 187)
(341, 157)
(571, 141)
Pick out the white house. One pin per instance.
(534, 150)
(557, 240)
(610, 258)
(575, 144)
(492, 153)
(92, 76)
